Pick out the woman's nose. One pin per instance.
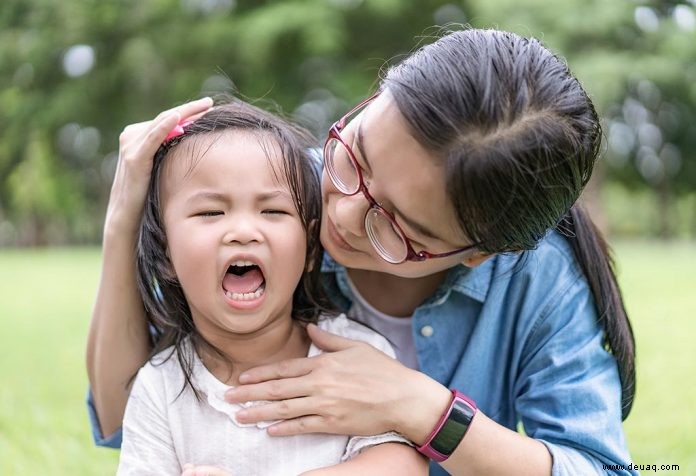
(350, 213)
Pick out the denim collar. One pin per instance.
(472, 282)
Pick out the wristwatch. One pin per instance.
(451, 428)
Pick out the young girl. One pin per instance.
(228, 270)
(450, 219)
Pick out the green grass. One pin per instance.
(45, 305)
(659, 282)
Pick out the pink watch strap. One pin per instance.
(426, 448)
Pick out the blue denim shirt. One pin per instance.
(519, 335)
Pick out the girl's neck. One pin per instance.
(394, 295)
(283, 339)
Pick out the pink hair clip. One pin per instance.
(178, 130)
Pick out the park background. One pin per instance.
(73, 73)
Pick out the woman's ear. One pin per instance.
(476, 258)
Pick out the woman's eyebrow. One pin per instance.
(417, 227)
(360, 141)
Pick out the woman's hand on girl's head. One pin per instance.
(137, 146)
(352, 389)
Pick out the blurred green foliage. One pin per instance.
(73, 73)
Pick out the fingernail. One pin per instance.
(243, 378)
(241, 414)
(230, 394)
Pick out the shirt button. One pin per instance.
(427, 331)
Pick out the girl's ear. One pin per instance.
(476, 258)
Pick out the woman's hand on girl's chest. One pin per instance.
(352, 389)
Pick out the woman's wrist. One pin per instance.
(421, 412)
(118, 226)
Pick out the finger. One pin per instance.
(157, 134)
(282, 410)
(272, 390)
(299, 426)
(190, 111)
(328, 341)
(195, 116)
(284, 369)
(192, 108)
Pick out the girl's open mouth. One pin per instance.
(244, 281)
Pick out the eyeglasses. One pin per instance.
(385, 234)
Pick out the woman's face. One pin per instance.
(405, 179)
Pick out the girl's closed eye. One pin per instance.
(276, 211)
(209, 213)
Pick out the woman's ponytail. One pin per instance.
(594, 256)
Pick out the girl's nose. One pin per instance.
(242, 230)
(350, 213)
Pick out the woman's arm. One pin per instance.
(118, 341)
(387, 458)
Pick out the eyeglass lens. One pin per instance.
(385, 238)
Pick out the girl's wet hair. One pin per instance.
(517, 137)
(165, 304)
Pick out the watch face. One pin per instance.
(452, 431)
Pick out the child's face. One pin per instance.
(231, 210)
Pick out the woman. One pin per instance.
(449, 218)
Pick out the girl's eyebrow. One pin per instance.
(264, 197)
(221, 197)
(215, 196)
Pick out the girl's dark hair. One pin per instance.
(518, 137)
(164, 300)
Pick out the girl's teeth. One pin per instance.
(243, 263)
(246, 296)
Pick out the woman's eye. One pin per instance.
(272, 211)
(209, 213)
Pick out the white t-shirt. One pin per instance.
(397, 328)
(163, 429)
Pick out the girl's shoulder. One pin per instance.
(342, 326)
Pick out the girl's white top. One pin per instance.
(163, 429)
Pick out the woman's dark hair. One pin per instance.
(164, 300)
(518, 137)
